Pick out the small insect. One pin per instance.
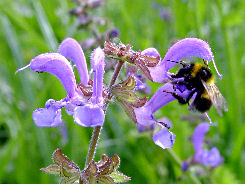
(198, 78)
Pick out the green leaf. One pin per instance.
(14, 45)
(68, 171)
(105, 180)
(45, 26)
(51, 169)
(119, 177)
(69, 180)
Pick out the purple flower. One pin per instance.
(92, 113)
(164, 138)
(144, 115)
(142, 128)
(188, 47)
(203, 156)
(86, 112)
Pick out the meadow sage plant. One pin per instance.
(88, 99)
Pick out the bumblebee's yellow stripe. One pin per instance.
(210, 81)
(195, 69)
(205, 95)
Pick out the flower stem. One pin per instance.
(115, 74)
(178, 161)
(93, 143)
(97, 130)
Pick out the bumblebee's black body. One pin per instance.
(193, 74)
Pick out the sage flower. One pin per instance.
(189, 47)
(203, 156)
(92, 114)
(76, 100)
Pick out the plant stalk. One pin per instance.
(97, 130)
(93, 144)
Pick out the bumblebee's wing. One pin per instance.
(216, 97)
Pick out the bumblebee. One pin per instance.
(198, 79)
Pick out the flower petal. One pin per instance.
(47, 117)
(151, 52)
(198, 139)
(97, 59)
(89, 115)
(70, 48)
(188, 47)
(57, 65)
(142, 128)
(98, 66)
(50, 116)
(144, 115)
(212, 157)
(164, 138)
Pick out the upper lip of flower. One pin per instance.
(188, 47)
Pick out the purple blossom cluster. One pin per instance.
(87, 110)
(86, 101)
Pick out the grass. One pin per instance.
(28, 28)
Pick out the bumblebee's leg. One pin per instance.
(180, 99)
(184, 83)
(190, 96)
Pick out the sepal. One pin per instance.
(62, 166)
(124, 93)
(103, 171)
(51, 169)
(119, 177)
(126, 53)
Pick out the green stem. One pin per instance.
(177, 160)
(97, 130)
(115, 74)
(93, 144)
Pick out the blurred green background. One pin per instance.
(28, 28)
